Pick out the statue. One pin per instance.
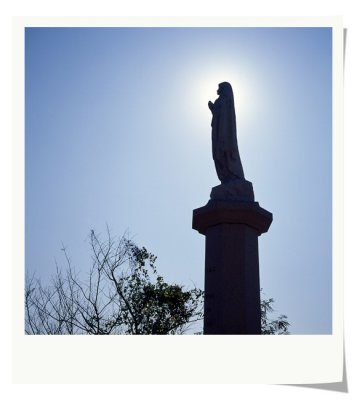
(224, 136)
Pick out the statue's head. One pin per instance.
(225, 89)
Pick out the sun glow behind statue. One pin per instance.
(206, 89)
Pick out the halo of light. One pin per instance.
(206, 85)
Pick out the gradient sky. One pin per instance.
(118, 133)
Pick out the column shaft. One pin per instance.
(232, 289)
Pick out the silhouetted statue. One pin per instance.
(224, 135)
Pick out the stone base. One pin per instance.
(237, 190)
(232, 288)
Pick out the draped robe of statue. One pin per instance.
(224, 136)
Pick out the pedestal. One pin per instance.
(232, 287)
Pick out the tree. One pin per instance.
(278, 326)
(270, 326)
(123, 294)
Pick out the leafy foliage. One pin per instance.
(123, 294)
(278, 326)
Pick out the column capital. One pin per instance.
(217, 212)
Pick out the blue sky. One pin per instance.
(118, 133)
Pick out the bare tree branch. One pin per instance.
(123, 294)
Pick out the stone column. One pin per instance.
(232, 224)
